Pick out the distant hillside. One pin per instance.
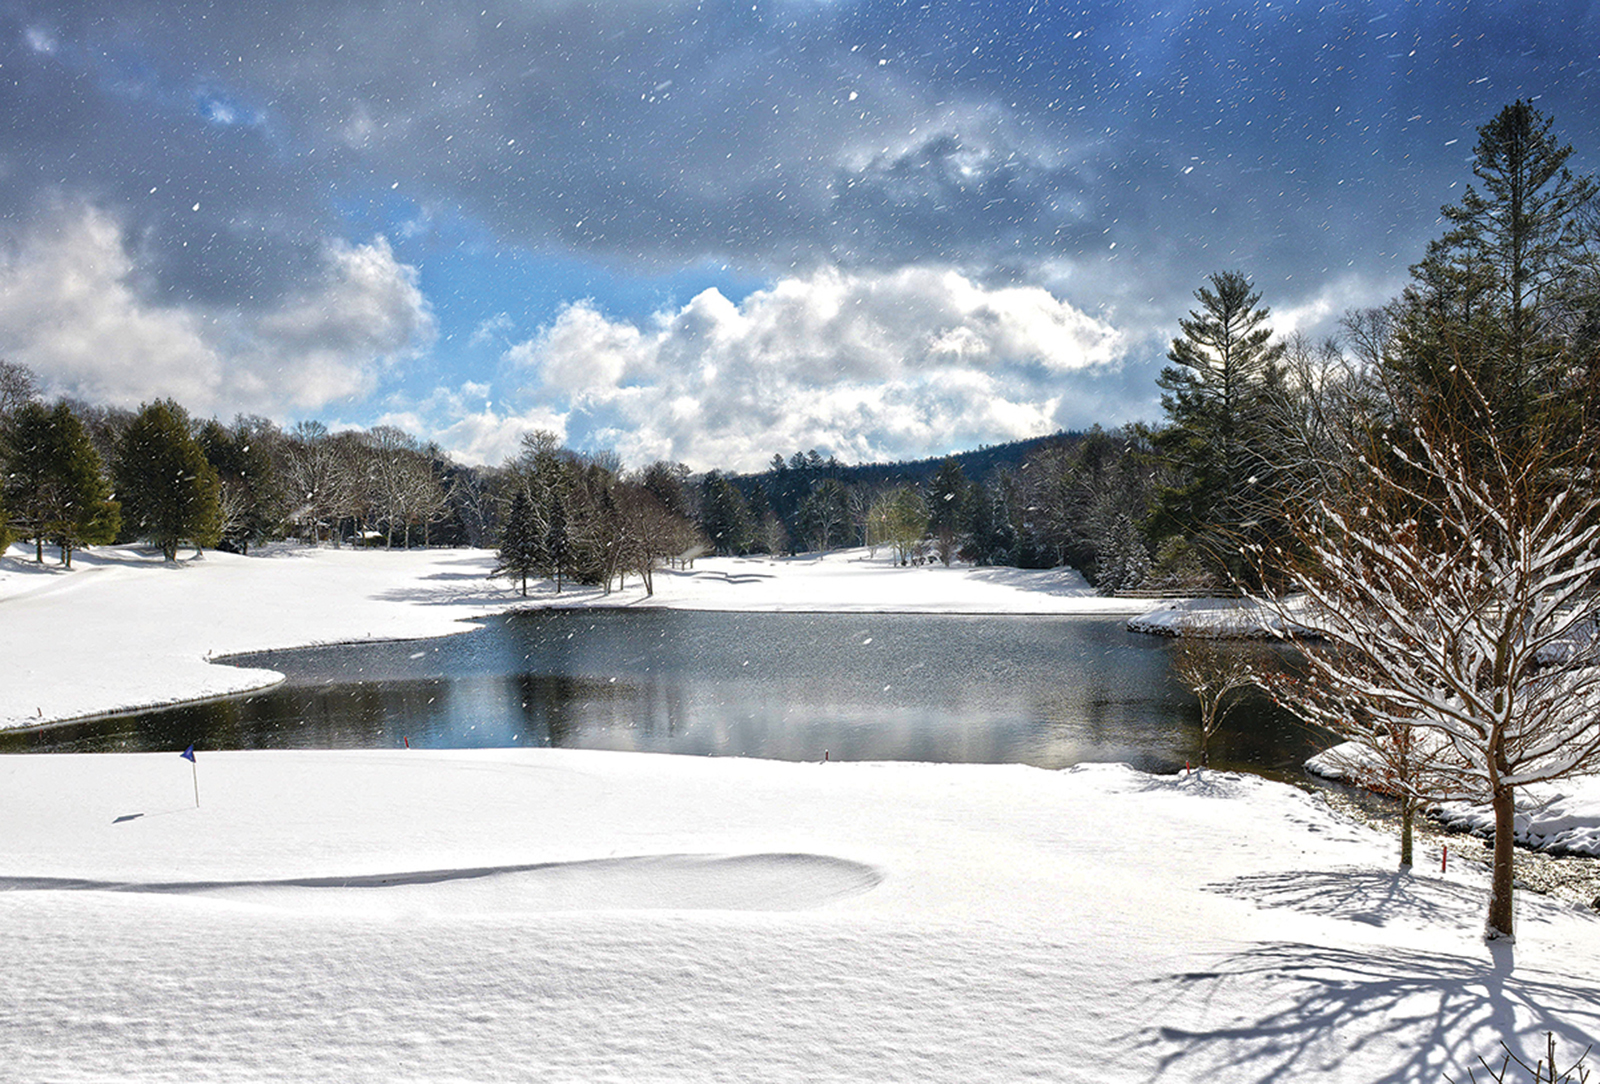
(977, 465)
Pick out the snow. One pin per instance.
(151, 626)
(569, 915)
(1220, 618)
(1563, 818)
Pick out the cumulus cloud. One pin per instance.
(865, 366)
(471, 427)
(73, 310)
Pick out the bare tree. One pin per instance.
(1218, 675)
(317, 480)
(1453, 594)
(17, 386)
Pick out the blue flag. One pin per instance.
(188, 754)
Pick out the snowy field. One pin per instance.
(562, 915)
(565, 915)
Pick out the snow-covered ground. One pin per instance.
(1220, 618)
(125, 630)
(569, 915)
(1561, 817)
(563, 915)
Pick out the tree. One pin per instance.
(56, 488)
(1215, 392)
(169, 492)
(249, 495)
(1453, 596)
(557, 545)
(1492, 303)
(317, 480)
(17, 386)
(825, 514)
(518, 556)
(900, 519)
(948, 508)
(725, 515)
(1217, 674)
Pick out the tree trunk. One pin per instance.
(1408, 816)
(1499, 925)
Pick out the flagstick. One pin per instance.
(195, 771)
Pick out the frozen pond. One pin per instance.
(1048, 691)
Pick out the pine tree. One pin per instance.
(250, 494)
(949, 508)
(557, 543)
(56, 485)
(518, 556)
(1491, 306)
(169, 491)
(725, 515)
(1216, 392)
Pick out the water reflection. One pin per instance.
(1045, 691)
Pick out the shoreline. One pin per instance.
(145, 633)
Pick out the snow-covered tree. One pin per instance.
(1454, 594)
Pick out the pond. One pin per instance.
(1047, 691)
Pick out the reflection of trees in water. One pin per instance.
(1046, 691)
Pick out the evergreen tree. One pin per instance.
(169, 491)
(56, 486)
(518, 556)
(1215, 396)
(725, 515)
(949, 508)
(1492, 309)
(557, 548)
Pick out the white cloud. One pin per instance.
(71, 310)
(1318, 314)
(866, 366)
(470, 426)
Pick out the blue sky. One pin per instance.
(709, 232)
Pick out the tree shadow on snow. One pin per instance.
(1382, 897)
(1390, 1016)
(1372, 897)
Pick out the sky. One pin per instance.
(710, 232)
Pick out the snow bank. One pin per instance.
(1562, 818)
(567, 915)
(1219, 618)
(125, 630)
